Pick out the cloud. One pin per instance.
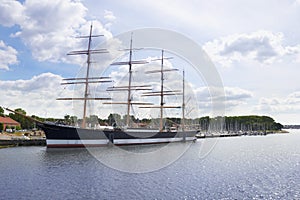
(49, 28)
(237, 94)
(36, 83)
(109, 15)
(261, 46)
(110, 18)
(228, 98)
(36, 95)
(290, 104)
(11, 12)
(293, 98)
(8, 56)
(297, 2)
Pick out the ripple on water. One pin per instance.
(236, 168)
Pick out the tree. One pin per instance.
(74, 119)
(113, 118)
(25, 123)
(1, 112)
(240, 123)
(18, 128)
(92, 120)
(67, 119)
(278, 126)
(1, 127)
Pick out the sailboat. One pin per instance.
(59, 135)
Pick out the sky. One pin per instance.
(254, 45)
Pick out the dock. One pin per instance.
(22, 142)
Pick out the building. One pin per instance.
(7, 121)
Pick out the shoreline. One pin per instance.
(22, 142)
(10, 140)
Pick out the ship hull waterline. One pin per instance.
(60, 136)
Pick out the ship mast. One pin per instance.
(87, 80)
(129, 84)
(129, 87)
(162, 92)
(183, 101)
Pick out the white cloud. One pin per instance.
(36, 83)
(297, 2)
(262, 46)
(8, 56)
(235, 93)
(109, 15)
(290, 104)
(36, 95)
(110, 19)
(293, 98)
(49, 28)
(11, 12)
(235, 98)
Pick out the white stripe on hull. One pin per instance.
(149, 140)
(103, 142)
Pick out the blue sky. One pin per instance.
(255, 46)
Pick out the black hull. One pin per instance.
(68, 136)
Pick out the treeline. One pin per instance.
(24, 122)
(229, 124)
(239, 123)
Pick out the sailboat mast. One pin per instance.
(183, 101)
(161, 92)
(87, 79)
(129, 84)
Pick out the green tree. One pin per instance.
(67, 119)
(278, 126)
(92, 120)
(74, 119)
(1, 127)
(18, 128)
(1, 112)
(113, 118)
(25, 123)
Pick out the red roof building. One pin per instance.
(7, 121)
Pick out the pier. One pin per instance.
(22, 142)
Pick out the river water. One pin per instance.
(247, 167)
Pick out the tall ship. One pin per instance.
(61, 136)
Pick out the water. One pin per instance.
(257, 167)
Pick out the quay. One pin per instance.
(234, 134)
(22, 142)
(217, 135)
